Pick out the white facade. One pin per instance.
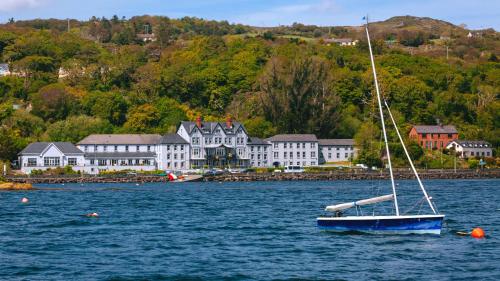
(173, 153)
(120, 152)
(471, 149)
(294, 150)
(337, 150)
(215, 144)
(260, 153)
(43, 156)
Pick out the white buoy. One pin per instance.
(25, 200)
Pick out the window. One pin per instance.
(72, 161)
(51, 161)
(182, 156)
(298, 154)
(298, 163)
(168, 155)
(92, 162)
(329, 155)
(329, 148)
(175, 156)
(86, 148)
(251, 148)
(313, 154)
(168, 147)
(487, 153)
(298, 145)
(104, 148)
(175, 147)
(137, 148)
(424, 135)
(252, 156)
(114, 162)
(284, 155)
(303, 154)
(304, 145)
(313, 163)
(196, 140)
(338, 148)
(346, 155)
(265, 156)
(472, 153)
(126, 148)
(276, 154)
(116, 148)
(284, 145)
(182, 147)
(130, 162)
(149, 148)
(313, 145)
(338, 155)
(450, 136)
(196, 151)
(31, 162)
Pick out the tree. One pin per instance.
(297, 97)
(142, 119)
(259, 127)
(75, 128)
(54, 102)
(109, 106)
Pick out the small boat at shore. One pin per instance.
(383, 224)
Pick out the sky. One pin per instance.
(476, 14)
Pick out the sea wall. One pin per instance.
(358, 175)
(334, 175)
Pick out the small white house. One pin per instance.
(47, 155)
(294, 150)
(337, 150)
(260, 152)
(471, 149)
(173, 153)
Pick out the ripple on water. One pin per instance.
(238, 231)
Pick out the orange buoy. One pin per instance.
(25, 200)
(477, 233)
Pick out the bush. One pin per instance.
(473, 163)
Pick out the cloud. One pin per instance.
(12, 5)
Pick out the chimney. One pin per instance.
(198, 121)
(229, 122)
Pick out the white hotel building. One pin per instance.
(195, 145)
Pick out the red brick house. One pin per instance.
(430, 137)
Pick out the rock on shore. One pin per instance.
(15, 186)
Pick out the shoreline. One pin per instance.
(245, 177)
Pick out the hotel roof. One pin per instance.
(435, 129)
(332, 142)
(294, 138)
(173, 139)
(37, 148)
(122, 139)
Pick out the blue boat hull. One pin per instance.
(420, 224)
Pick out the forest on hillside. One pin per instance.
(99, 77)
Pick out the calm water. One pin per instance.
(238, 231)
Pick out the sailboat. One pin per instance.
(390, 224)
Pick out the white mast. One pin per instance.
(382, 120)
(409, 158)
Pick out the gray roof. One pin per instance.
(473, 143)
(327, 142)
(173, 138)
(122, 139)
(37, 148)
(120, 155)
(257, 141)
(294, 138)
(436, 129)
(209, 127)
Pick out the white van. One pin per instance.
(294, 169)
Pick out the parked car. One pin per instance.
(362, 166)
(294, 169)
